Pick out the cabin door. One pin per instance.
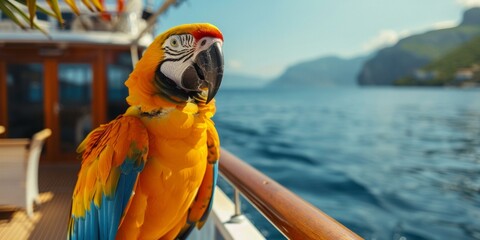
(74, 107)
(50, 94)
(64, 91)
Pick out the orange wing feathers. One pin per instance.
(111, 152)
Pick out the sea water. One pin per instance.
(388, 163)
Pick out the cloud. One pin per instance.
(383, 39)
(390, 37)
(270, 71)
(234, 64)
(445, 24)
(469, 3)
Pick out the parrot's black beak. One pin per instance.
(208, 66)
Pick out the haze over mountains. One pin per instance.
(325, 71)
(241, 81)
(385, 67)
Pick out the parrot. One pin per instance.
(151, 172)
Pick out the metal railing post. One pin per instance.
(237, 217)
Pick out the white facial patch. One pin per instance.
(179, 52)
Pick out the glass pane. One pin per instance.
(75, 100)
(117, 91)
(25, 99)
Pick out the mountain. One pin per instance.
(414, 52)
(459, 67)
(242, 81)
(325, 71)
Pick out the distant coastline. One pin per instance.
(445, 57)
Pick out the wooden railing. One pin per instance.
(290, 214)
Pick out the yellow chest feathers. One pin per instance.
(177, 123)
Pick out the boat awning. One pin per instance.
(95, 38)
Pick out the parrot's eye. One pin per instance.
(174, 42)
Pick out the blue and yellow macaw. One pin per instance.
(151, 172)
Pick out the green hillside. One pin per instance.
(415, 52)
(432, 44)
(463, 57)
(443, 71)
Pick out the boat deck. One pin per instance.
(288, 211)
(56, 182)
(50, 220)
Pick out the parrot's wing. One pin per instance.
(200, 208)
(113, 156)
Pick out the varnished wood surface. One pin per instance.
(50, 219)
(292, 216)
(100, 92)
(51, 106)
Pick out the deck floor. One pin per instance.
(56, 182)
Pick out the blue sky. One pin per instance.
(264, 37)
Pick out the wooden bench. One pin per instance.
(19, 160)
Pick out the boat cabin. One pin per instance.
(70, 81)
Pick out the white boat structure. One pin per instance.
(72, 81)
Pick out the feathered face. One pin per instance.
(194, 65)
(187, 63)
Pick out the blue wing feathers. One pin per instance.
(102, 218)
(81, 229)
(102, 222)
(92, 223)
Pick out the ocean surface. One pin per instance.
(389, 163)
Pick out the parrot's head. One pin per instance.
(182, 64)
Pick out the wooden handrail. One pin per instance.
(290, 214)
